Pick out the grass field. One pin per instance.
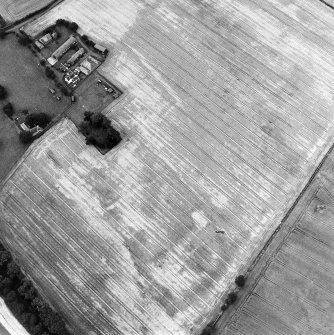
(28, 89)
(291, 290)
(12, 10)
(228, 110)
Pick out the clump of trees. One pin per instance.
(240, 281)
(87, 41)
(24, 40)
(3, 93)
(24, 301)
(50, 73)
(98, 131)
(37, 119)
(26, 137)
(68, 24)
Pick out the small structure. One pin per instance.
(39, 45)
(46, 39)
(100, 48)
(35, 130)
(75, 56)
(52, 61)
(88, 65)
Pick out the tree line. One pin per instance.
(24, 302)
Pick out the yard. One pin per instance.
(28, 89)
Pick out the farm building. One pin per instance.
(88, 65)
(228, 110)
(39, 45)
(62, 50)
(100, 48)
(75, 56)
(46, 39)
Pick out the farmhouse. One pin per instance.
(62, 50)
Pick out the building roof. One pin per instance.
(64, 47)
(88, 65)
(46, 39)
(39, 45)
(76, 55)
(52, 61)
(100, 48)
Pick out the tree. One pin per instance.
(10, 296)
(3, 93)
(27, 290)
(13, 270)
(8, 109)
(37, 329)
(5, 284)
(24, 40)
(16, 307)
(60, 22)
(240, 281)
(25, 137)
(73, 26)
(87, 115)
(49, 73)
(38, 304)
(96, 120)
(5, 257)
(231, 298)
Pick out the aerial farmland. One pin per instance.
(18, 9)
(226, 112)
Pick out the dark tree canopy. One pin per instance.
(37, 119)
(3, 93)
(25, 137)
(73, 26)
(8, 109)
(98, 131)
(25, 303)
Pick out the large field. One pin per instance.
(228, 110)
(12, 10)
(291, 290)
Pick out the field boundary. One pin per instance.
(38, 11)
(281, 233)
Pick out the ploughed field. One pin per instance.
(12, 10)
(294, 291)
(227, 112)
